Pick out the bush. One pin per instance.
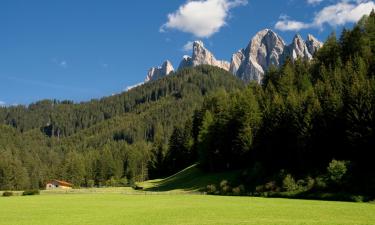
(336, 171)
(211, 189)
(238, 190)
(31, 192)
(136, 187)
(111, 182)
(225, 187)
(357, 198)
(310, 183)
(123, 182)
(224, 183)
(289, 184)
(320, 183)
(7, 193)
(271, 186)
(90, 183)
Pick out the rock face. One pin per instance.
(268, 49)
(158, 72)
(265, 49)
(298, 49)
(202, 56)
(313, 44)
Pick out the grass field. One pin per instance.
(190, 179)
(114, 208)
(170, 201)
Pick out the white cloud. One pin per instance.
(188, 46)
(290, 25)
(343, 12)
(2, 103)
(202, 18)
(314, 2)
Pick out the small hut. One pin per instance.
(58, 184)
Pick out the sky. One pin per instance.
(80, 50)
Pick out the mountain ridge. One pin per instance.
(265, 49)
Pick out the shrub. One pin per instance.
(310, 183)
(224, 183)
(320, 183)
(136, 187)
(270, 186)
(357, 198)
(337, 170)
(123, 182)
(289, 184)
(242, 188)
(90, 183)
(7, 193)
(211, 189)
(111, 182)
(225, 188)
(238, 190)
(31, 192)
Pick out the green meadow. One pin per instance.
(121, 206)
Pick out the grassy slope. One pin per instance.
(118, 209)
(189, 179)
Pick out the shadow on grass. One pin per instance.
(189, 179)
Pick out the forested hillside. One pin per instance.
(310, 127)
(116, 139)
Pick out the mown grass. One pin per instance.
(118, 209)
(191, 179)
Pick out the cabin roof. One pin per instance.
(61, 183)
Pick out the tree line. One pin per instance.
(113, 141)
(308, 121)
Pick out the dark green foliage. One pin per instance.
(114, 141)
(31, 192)
(7, 194)
(304, 115)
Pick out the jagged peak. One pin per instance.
(311, 37)
(198, 43)
(297, 37)
(157, 72)
(166, 63)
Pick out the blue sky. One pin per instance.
(78, 49)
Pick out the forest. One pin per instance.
(309, 127)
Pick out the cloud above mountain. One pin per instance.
(2, 103)
(341, 13)
(314, 2)
(202, 18)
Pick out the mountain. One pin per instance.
(265, 49)
(110, 137)
(202, 56)
(158, 72)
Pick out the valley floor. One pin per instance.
(117, 207)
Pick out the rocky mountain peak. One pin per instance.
(155, 73)
(313, 44)
(264, 50)
(298, 49)
(202, 56)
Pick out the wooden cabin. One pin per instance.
(58, 184)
